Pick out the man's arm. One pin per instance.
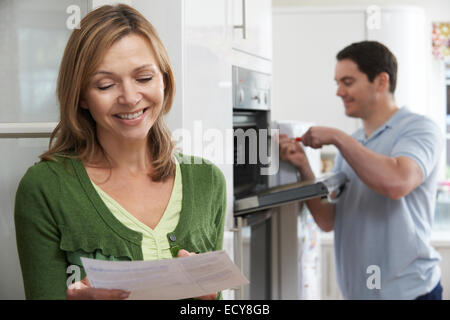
(393, 177)
(323, 213)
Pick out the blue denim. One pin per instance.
(435, 294)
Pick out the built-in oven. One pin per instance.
(252, 142)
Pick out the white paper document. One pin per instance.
(178, 278)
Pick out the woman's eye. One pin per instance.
(104, 87)
(143, 80)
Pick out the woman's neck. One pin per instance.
(131, 156)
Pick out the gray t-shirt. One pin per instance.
(382, 245)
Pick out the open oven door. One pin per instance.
(329, 187)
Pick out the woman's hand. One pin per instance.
(82, 290)
(211, 296)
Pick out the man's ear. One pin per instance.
(383, 81)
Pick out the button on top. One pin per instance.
(172, 237)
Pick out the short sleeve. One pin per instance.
(421, 141)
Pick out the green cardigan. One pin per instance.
(59, 218)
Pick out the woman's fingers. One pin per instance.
(96, 294)
(211, 296)
(185, 253)
(81, 290)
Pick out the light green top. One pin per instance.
(155, 244)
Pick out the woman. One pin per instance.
(110, 187)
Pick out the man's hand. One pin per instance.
(211, 296)
(316, 137)
(82, 290)
(292, 152)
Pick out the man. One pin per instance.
(383, 219)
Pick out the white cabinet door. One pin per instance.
(197, 35)
(207, 100)
(33, 36)
(304, 59)
(252, 33)
(22, 153)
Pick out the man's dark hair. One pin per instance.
(372, 58)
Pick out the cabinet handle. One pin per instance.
(242, 26)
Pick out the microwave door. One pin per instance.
(329, 186)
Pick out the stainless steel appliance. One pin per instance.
(251, 121)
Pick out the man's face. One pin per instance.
(355, 89)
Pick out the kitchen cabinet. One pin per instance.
(33, 38)
(22, 153)
(33, 35)
(252, 27)
(197, 36)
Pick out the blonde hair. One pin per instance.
(75, 135)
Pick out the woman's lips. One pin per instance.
(132, 118)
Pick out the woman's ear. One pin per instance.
(83, 104)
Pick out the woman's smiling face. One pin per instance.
(126, 93)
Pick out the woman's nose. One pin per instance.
(129, 95)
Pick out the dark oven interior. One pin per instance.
(247, 142)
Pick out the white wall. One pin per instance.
(435, 10)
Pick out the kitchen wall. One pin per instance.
(435, 10)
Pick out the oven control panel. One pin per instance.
(251, 89)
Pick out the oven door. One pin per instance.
(253, 253)
(329, 186)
